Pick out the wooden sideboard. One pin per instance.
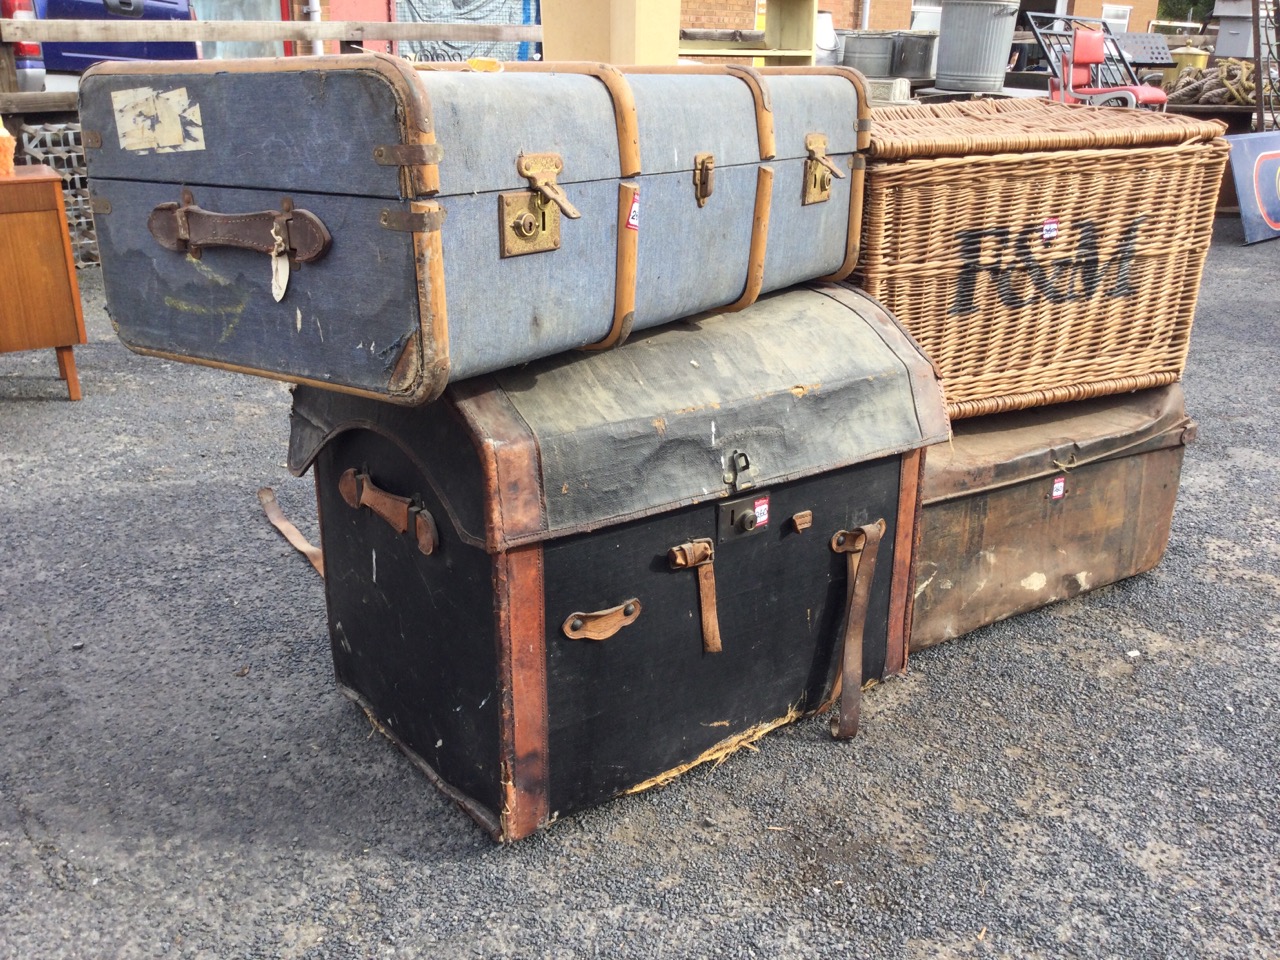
(39, 296)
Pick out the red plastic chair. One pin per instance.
(1088, 50)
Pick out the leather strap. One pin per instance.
(601, 624)
(184, 227)
(707, 603)
(700, 554)
(400, 513)
(860, 547)
(271, 506)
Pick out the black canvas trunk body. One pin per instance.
(575, 579)
(1024, 509)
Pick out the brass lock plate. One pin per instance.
(818, 170)
(527, 223)
(817, 183)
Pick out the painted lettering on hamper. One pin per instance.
(1008, 260)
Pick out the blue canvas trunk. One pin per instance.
(382, 228)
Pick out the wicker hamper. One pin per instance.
(1040, 252)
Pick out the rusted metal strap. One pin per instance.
(413, 220)
(407, 154)
(271, 506)
(860, 547)
(699, 554)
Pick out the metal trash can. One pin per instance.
(973, 44)
(872, 53)
(914, 55)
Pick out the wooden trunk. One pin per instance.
(578, 578)
(358, 224)
(1023, 509)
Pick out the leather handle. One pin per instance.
(400, 513)
(186, 228)
(699, 554)
(860, 547)
(601, 624)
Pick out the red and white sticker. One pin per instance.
(1059, 488)
(633, 219)
(1049, 229)
(762, 512)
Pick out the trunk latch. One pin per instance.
(739, 475)
(818, 170)
(704, 177)
(530, 221)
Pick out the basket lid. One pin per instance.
(1019, 126)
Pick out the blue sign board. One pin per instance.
(1255, 168)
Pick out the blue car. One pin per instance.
(39, 67)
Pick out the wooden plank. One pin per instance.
(16, 103)
(140, 31)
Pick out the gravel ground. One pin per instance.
(180, 778)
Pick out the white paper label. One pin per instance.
(150, 122)
(633, 220)
(762, 512)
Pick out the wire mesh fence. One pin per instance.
(58, 146)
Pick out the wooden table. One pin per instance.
(39, 296)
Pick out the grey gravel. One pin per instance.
(1096, 779)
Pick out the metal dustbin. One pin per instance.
(915, 55)
(973, 44)
(870, 52)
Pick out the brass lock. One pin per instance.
(529, 221)
(525, 225)
(818, 170)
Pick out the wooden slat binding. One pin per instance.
(522, 657)
(853, 242)
(906, 536)
(863, 123)
(624, 102)
(423, 368)
(624, 304)
(759, 241)
(764, 108)
(749, 75)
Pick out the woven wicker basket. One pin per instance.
(1040, 252)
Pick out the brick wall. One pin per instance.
(1143, 12)
(718, 14)
(885, 14)
(741, 14)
